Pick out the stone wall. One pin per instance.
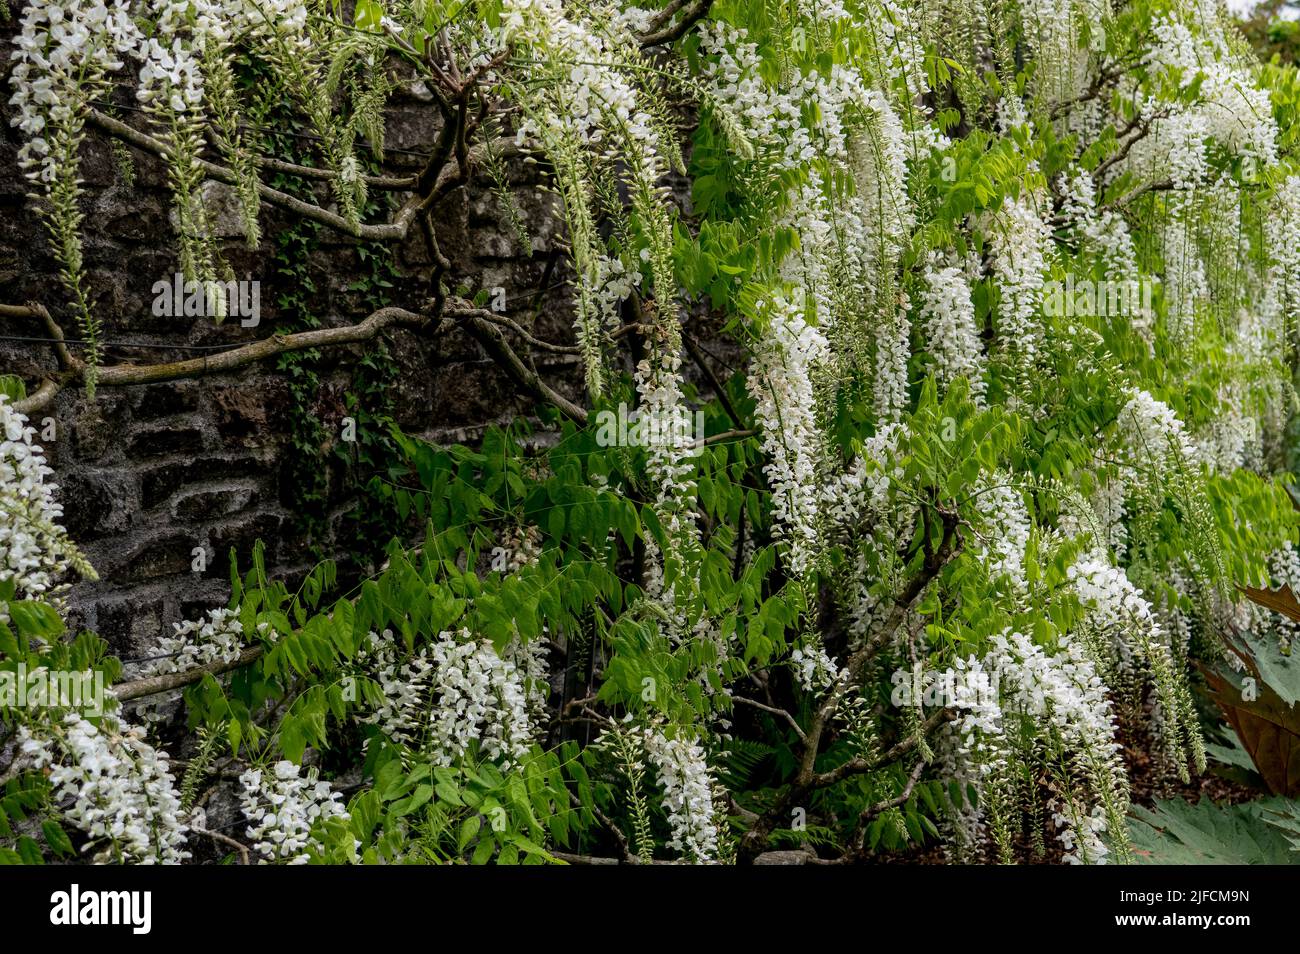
(148, 474)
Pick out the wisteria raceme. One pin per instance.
(670, 462)
(1152, 435)
(1117, 607)
(1122, 616)
(109, 783)
(1236, 111)
(195, 643)
(1064, 698)
(1282, 239)
(1081, 836)
(867, 494)
(737, 89)
(454, 693)
(592, 113)
(64, 50)
(284, 808)
(1104, 233)
(1065, 692)
(219, 639)
(878, 158)
(688, 794)
(35, 551)
(1008, 528)
(1051, 33)
(948, 317)
(1185, 281)
(863, 491)
(520, 547)
(900, 30)
(893, 340)
(781, 383)
(811, 265)
(67, 47)
(1234, 439)
(403, 683)
(815, 670)
(476, 697)
(1021, 246)
(1063, 688)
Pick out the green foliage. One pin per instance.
(1065, 499)
(1180, 833)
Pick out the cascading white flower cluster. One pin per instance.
(878, 158)
(1104, 234)
(1064, 687)
(770, 120)
(1185, 282)
(590, 113)
(1080, 835)
(194, 643)
(454, 693)
(1192, 51)
(598, 98)
(849, 238)
(65, 48)
(1021, 246)
(1127, 623)
(1235, 438)
(781, 383)
(663, 413)
(172, 69)
(109, 783)
(1234, 110)
(219, 638)
(171, 72)
(592, 121)
(1151, 434)
(1062, 697)
(1053, 38)
(893, 350)
(853, 126)
(899, 30)
(813, 265)
(947, 314)
(814, 669)
(1153, 445)
(863, 507)
(1006, 530)
(862, 494)
(1116, 607)
(1282, 242)
(283, 807)
(670, 466)
(403, 684)
(34, 549)
(688, 794)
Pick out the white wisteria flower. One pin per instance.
(283, 807)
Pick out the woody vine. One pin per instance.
(938, 541)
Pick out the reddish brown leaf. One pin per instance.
(1269, 730)
(1281, 600)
